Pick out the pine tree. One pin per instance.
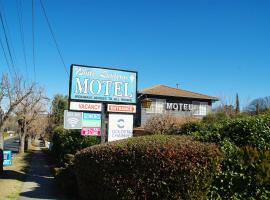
(237, 104)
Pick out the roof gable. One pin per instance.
(175, 92)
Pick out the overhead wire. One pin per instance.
(53, 36)
(20, 19)
(5, 55)
(7, 43)
(33, 39)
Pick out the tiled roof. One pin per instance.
(175, 92)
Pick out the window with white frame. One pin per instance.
(199, 108)
(157, 106)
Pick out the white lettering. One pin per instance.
(91, 87)
(175, 106)
(107, 86)
(117, 89)
(79, 86)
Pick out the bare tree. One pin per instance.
(12, 92)
(28, 111)
(258, 105)
(39, 126)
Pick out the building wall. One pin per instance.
(186, 108)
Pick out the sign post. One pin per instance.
(103, 124)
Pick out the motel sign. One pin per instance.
(103, 85)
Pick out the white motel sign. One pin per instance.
(82, 106)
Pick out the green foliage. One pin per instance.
(65, 177)
(69, 142)
(59, 104)
(148, 167)
(215, 117)
(243, 130)
(245, 144)
(245, 174)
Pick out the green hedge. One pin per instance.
(245, 144)
(148, 167)
(69, 142)
(251, 130)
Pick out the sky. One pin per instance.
(214, 47)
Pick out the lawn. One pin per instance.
(12, 179)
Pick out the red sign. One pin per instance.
(121, 108)
(90, 131)
(82, 106)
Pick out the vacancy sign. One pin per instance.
(121, 108)
(82, 106)
(72, 120)
(90, 131)
(120, 126)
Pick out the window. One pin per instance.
(157, 106)
(199, 108)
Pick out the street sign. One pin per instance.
(120, 126)
(83, 106)
(102, 84)
(72, 120)
(91, 120)
(121, 108)
(90, 131)
(7, 158)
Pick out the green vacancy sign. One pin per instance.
(102, 84)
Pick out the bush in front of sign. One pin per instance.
(69, 142)
(147, 167)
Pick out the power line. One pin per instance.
(33, 38)
(20, 19)
(53, 36)
(5, 55)
(7, 43)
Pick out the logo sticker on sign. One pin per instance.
(120, 126)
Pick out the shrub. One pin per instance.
(253, 131)
(165, 124)
(244, 130)
(147, 167)
(215, 117)
(69, 142)
(245, 174)
(65, 177)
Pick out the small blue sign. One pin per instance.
(103, 85)
(91, 116)
(7, 158)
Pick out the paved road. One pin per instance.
(12, 144)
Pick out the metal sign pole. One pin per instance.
(103, 124)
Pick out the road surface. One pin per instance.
(12, 144)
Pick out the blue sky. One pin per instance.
(209, 46)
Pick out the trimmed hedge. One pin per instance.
(69, 142)
(251, 130)
(148, 167)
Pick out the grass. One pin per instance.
(13, 177)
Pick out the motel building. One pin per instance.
(162, 99)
